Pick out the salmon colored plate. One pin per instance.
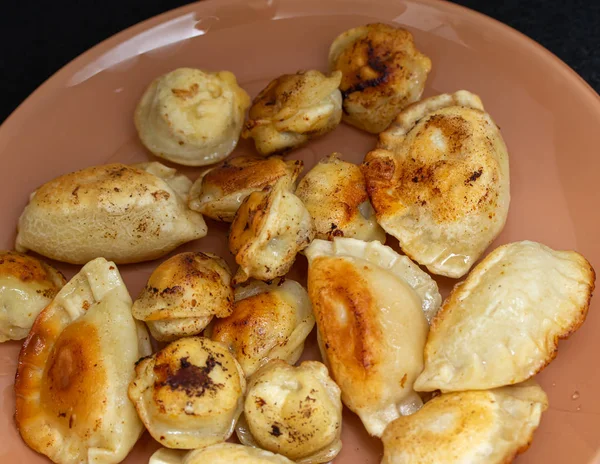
(549, 117)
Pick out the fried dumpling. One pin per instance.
(123, 213)
(269, 321)
(189, 394)
(220, 191)
(475, 427)
(502, 324)
(335, 195)
(74, 370)
(295, 411)
(223, 453)
(371, 306)
(27, 285)
(382, 73)
(292, 109)
(192, 117)
(269, 229)
(439, 182)
(183, 294)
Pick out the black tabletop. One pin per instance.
(38, 38)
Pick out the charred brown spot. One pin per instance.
(171, 290)
(259, 402)
(476, 175)
(194, 380)
(275, 431)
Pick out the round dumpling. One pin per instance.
(189, 394)
(292, 109)
(183, 294)
(27, 285)
(74, 370)
(293, 411)
(439, 182)
(269, 229)
(475, 427)
(335, 195)
(192, 117)
(382, 73)
(123, 213)
(223, 453)
(269, 321)
(372, 308)
(220, 191)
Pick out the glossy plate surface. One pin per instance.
(549, 117)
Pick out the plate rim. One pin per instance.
(90, 54)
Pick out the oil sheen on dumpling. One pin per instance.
(123, 213)
(295, 411)
(192, 117)
(74, 370)
(269, 229)
(269, 321)
(502, 324)
(335, 195)
(382, 73)
(439, 182)
(220, 191)
(371, 306)
(27, 285)
(292, 109)
(189, 394)
(475, 427)
(183, 294)
(223, 453)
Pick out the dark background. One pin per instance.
(36, 39)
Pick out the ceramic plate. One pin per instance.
(550, 119)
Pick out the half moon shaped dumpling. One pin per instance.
(74, 370)
(269, 321)
(189, 394)
(382, 73)
(439, 181)
(292, 109)
(475, 427)
(183, 294)
(502, 324)
(123, 213)
(223, 453)
(270, 228)
(219, 192)
(293, 410)
(27, 285)
(192, 117)
(371, 306)
(335, 195)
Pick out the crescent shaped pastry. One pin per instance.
(74, 370)
(126, 214)
(475, 427)
(502, 324)
(371, 306)
(439, 181)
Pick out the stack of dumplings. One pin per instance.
(447, 382)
